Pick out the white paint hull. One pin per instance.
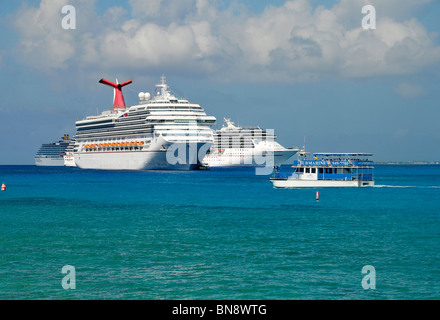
(154, 158)
(49, 162)
(69, 160)
(248, 158)
(299, 183)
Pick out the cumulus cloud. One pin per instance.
(292, 42)
(42, 40)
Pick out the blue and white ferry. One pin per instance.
(327, 170)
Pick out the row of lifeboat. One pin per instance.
(115, 144)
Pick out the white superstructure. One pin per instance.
(163, 132)
(246, 146)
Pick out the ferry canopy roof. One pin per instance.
(330, 154)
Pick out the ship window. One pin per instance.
(307, 170)
(320, 170)
(313, 170)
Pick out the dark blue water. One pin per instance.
(219, 234)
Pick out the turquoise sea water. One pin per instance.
(219, 234)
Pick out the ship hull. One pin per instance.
(49, 161)
(158, 157)
(302, 183)
(69, 160)
(248, 158)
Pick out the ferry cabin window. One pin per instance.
(313, 170)
(307, 170)
(321, 170)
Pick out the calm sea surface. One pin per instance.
(219, 234)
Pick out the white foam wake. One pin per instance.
(419, 187)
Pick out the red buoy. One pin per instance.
(317, 195)
(3, 186)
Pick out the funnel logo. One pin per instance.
(118, 97)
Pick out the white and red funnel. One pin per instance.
(118, 100)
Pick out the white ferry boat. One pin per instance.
(164, 132)
(245, 147)
(327, 170)
(52, 154)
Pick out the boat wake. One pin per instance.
(418, 187)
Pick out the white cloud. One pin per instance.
(408, 90)
(44, 44)
(293, 42)
(145, 8)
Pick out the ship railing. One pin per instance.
(333, 163)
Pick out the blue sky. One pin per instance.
(303, 68)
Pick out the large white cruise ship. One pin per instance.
(163, 132)
(246, 147)
(52, 154)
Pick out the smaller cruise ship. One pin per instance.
(246, 147)
(52, 154)
(327, 170)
